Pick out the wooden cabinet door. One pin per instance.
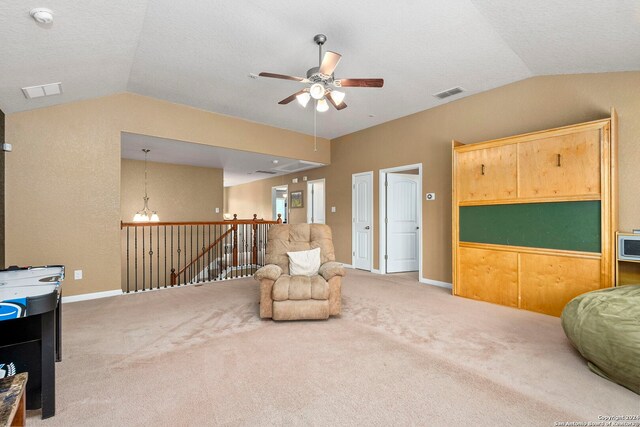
(487, 174)
(548, 283)
(564, 165)
(488, 275)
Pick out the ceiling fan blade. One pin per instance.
(338, 107)
(329, 63)
(359, 82)
(288, 99)
(282, 76)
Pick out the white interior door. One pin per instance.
(403, 224)
(315, 204)
(362, 208)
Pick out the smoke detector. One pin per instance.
(42, 15)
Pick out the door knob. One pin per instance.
(367, 227)
(417, 228)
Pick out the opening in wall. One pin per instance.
(279, 202)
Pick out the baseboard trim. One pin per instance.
(93, 295)
(436, 283)
(373, 270)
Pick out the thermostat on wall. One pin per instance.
(7, 147)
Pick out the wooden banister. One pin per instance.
(225, 222)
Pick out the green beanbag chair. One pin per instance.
(604, 326)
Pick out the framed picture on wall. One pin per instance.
(297, 201)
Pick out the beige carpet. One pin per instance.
(402, 353)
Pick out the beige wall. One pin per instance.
(176, 192)
(63, 176)
(255, 197)
(425, 137)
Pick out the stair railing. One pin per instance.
(165, 254)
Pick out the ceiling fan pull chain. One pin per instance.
(315, 131)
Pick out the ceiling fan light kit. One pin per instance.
(323, 81)
(337, 96)
(303, 99)
(317, 91)
(322, 105)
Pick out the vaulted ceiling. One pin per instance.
(201, 53)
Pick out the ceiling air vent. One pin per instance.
(267, 172)
(42, 90)
(447, 93)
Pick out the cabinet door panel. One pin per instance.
(487, 174)
(548, 283)
(560, 166)
(488, 275)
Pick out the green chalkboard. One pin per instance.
(558, 225)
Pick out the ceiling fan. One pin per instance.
(323, 82)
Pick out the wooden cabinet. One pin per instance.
(549, 282)
(566, 165)
(489, 275)
(570, 171)
(488, 174)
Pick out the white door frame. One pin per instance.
(273, 201)
(381, 214)
(353, 210)
(324, 196)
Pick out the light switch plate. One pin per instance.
(430, 196)
(333, 209)
(77, 274)
(217, 210)
(294, 180)
(304, 178)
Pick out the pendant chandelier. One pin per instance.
(146, 214)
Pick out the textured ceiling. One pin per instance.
(90, 48)
(239, 167)
(200, 53)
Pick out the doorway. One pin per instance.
(362, 220)
(279, 203)
(316, 201)
(401, 219)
